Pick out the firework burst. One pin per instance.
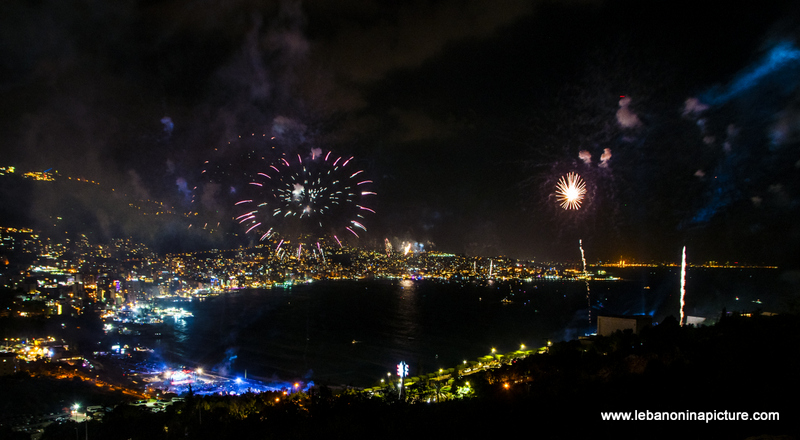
(570, 191)
(319, 195)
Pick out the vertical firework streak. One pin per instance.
(321, 252)
(586, 278)
(683, 283)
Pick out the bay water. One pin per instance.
(355, 332)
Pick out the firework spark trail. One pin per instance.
(570, 191)
(321, 252)
(585, 278)
(683, 283)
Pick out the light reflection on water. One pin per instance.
(181, 335)
(348, 332)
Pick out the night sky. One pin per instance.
(683, 118)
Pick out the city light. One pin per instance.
(402, 369)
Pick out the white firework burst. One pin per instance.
(570, 191)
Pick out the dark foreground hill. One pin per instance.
(740, 365)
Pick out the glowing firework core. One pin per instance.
(570, 191)
(297, 192)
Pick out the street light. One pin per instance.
(402, 371)
(75, 412)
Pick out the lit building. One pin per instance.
(606, 325)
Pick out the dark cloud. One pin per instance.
(372, 41)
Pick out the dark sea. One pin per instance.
(355, 332)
